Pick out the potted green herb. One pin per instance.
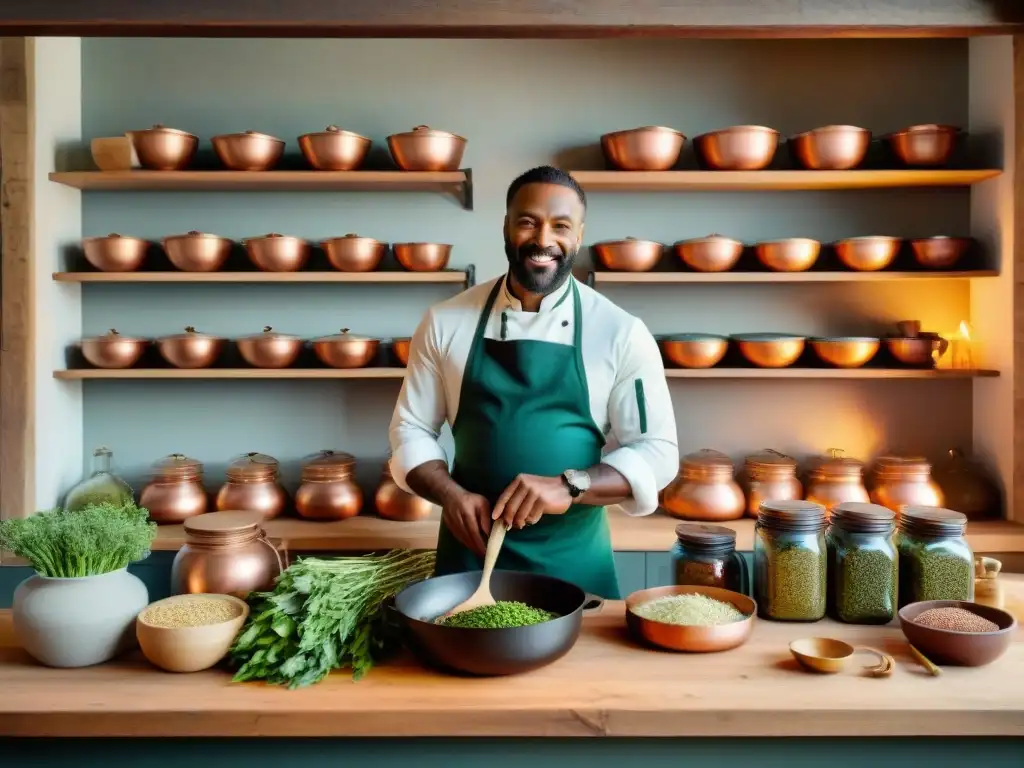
(80, 607)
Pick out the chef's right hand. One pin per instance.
(468, 517)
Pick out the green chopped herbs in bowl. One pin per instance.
(692, 610)
(504, 614)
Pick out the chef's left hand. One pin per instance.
(528, 497)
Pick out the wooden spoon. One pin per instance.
(483, 595)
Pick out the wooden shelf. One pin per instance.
(656, 278)
(447, 276)
(681, 181)
(826, 373)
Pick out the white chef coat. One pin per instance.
(618, 351)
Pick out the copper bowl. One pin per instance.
(770, 350)
(197, 251)
(846, 351)
(113, 350)
(831, 147)
(424, 149)
(693, 639)
(334, 149)
(650, 148)
(694, 350)
(868, 254)
(190, 349)
(924, 146)
(400, 347)
(940, 252)
(629, 255)
(115, 253)
(164, 149)
(353, 253)
(792, 254)
(269, 349)
(277, 253)
(423, 257)
(917, 351)
(714, 253)
(345, 350)
(964, 649)
(249, 151)
(739, 148)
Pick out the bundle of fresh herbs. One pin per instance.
(96, 539)
(324, 615)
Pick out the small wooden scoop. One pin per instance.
(483, 595)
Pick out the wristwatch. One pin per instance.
(578, 482)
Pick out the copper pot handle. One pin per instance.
(277, 555)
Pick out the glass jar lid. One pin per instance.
(706, 538)
(177, 466)
(328, 465)
(860, 517)
(223, 525)
(932, 521)
(253, 465)
(793, 516)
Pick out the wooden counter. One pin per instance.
(606, 686)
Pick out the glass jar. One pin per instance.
(903, 481)
(102, 485)
(936, 562)
(706, 556)
(790, 561)
(862, 564)
(769, 476)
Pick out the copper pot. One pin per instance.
(629, 255)
(277, 253)
(175, 492)
(393, 503)
(197, 251)
(705, 489)
(650, 148)
(940, 252)
(924, 146)
(792, 254)
(769, 476)
(115, 253)
(225, 553)
(694, 350)
(328, 490)
(770, 350)
(269, 349)
(346, 350)
(836, 480)
(113, 350)
(831, 147)
(190, 349)
(423, 257)
(846, 352)
(902, 481)
(917, 351)
(164, 149)
(424, 149)
(249, 151)
(867, 254)
(334, 149)
(400, 347)
(739, 148)
(967, 486)
(353, 253)
(253, 486)
(714, 253)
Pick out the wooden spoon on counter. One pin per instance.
(483, 595)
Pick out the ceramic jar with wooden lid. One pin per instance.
(253, 486)
(835, 480)
(393, 503)
(705, 489)
(225, 553)
(175, 492)
(902, 481)
(769, 476)
(329, 490)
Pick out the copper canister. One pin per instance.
(836, 479)
(253, 486)
(900, 481)
(328, 490)
(225, 553)
(175, 492)
(393, 503)
(769, 476)
(705, 489)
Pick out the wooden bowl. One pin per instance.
(721, 637)
(821, 654)
(770, 350)
(965, 649)
(694, 350)
(846, 352)
(189, 649)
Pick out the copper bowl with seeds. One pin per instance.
(693, 639)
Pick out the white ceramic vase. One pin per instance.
(78, 622)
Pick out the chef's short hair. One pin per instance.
(545, 174)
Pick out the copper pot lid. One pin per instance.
(707, 458)
(644, 129)
(835, 464)
(861, 517)
(333, 130)
(177, 466)
(704, 536)
(898, 466)
(273, 236)
(223, 524)
(714, 237)
(328, 465)
(190, 333)
(253, 465)
(250, 135)
(770, 459)
(833, 129)
(740, 129)
(269, 334)
(193, 234)
(345, 335)
(928, 128)
(351, 236)
(158, 128)
(112, 337)
(425, 131)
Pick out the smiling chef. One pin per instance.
(557, 402)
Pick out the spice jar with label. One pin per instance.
(835, 480)
(705, 556)
(936, 562)
(769, 476)
(253, 486)
(705, 489)
(901, 481)
(175, 493)
(329, 490)
(790, 561)
(862, 564)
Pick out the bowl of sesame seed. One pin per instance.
(958, 632)
(191, 632)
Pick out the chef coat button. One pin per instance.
(565, 323)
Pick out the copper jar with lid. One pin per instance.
(393, 503)
(968, 486)
(225, 553)
(705, 489)
(253, 486)
(175, 492)
(769, 476)
(835, 480)
(329, 490)
(901, 481)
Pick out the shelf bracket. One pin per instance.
(470, 276)
(466, 190)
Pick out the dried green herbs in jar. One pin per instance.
(790, 561)
(936, 562)
(863, 564)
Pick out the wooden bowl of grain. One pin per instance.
(958, 632)
(189, 633)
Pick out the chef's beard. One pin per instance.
(542, 281)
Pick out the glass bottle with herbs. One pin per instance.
(101, 487)
(790, 561)
(936, 562)
(705, 556)
(862, 564)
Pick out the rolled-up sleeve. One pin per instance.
(421, 410)
(643, 423)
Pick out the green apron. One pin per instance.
(524, 408)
